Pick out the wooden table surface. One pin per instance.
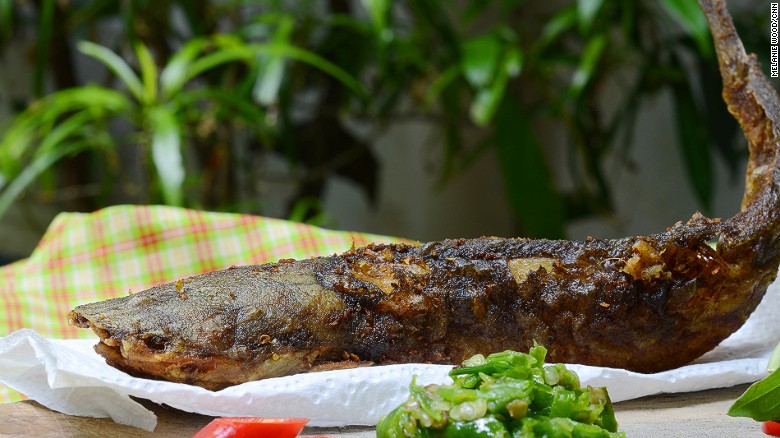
(698, 414)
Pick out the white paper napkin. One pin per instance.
(69, 377)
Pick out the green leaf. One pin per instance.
(536, 202)
(326, 66)
(148, 73)
(587, 66)
(487, 99)
(38, 120)
(18, 147)
(774, 361)
(63, 131)
(513, 61)
(236, 106)
(117, 65)
(440, 83)
(9, 193)
(6, 19)
(761, 401)
(432, 15)
(271, 71)
(487, 64)
(175, 73)
(167, 153)
(721, 126)
(475, 9)
(480, 58)
(86, 13)
(451, 103)
(586, 12)
(694, 141)
(379, 11)
(45, 26)
(562, 21)
(692, 19)
(249, 52)
(309, 210)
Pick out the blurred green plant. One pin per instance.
(155, 104)
(198, 88)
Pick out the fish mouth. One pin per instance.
(154, 357)
(217, 331)
(208, 371)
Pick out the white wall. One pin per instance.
(649, 198)
(657, 194)
(412, 205)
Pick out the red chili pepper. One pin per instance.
(238, 427)
(771, 428)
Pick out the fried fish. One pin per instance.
(642, 303)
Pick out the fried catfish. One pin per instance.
(642, 303)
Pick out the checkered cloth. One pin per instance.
(84, 258)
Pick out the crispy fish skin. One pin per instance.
(642, 303)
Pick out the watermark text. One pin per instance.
(774, 40)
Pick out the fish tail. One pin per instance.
(752, 100)
(753, 234)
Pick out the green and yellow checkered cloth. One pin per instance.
(84, 258)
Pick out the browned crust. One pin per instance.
(642, 303)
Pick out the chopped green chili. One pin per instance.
(507, 394)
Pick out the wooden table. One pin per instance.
(698, 414)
